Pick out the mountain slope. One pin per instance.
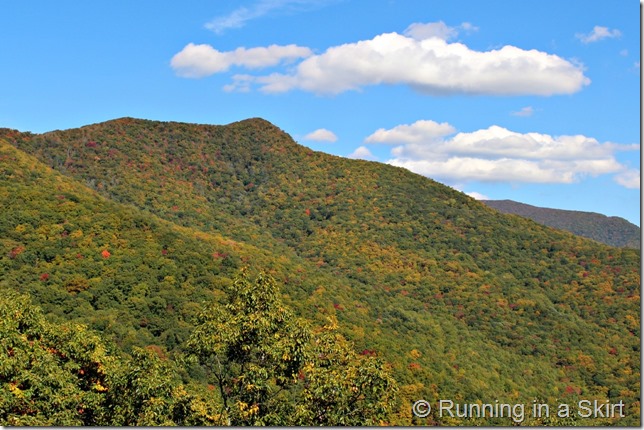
(465, 303)
(614, 231)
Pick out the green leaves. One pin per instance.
(272, 370)
(342, 388)
(49, 375)
(65, 375)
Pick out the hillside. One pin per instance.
(463, 302)
(613, 231)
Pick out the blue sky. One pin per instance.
(534, 101)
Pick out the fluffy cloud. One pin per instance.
(422, 58)
(629, 178)
(497, 154)
(363, 153)
(321, 135)
(597, 34)
(478, 196)
(198, 61)
(431, 66)
(419, 131)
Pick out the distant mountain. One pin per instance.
(613, 231)
(128, 226)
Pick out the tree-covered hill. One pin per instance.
(129, 226)
(614, 231)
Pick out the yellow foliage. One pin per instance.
(415, 353)
(99, 387)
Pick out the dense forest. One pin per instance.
(614, 231)
(171, 273)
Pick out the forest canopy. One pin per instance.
(133, 233)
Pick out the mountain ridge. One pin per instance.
(611, 230)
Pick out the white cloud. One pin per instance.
(421, 31)
(321, 135)
(478, 196)
(419, 131)
(629, 178)
(198, 61)
(497, 154)
(240, 16)
(597, 34)
(478, 169)
(363, 153)
(429, 65)
(525, 111)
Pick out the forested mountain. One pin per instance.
(134, 227)
(614, 231)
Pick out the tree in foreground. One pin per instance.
(66, 375)
(271, 369)
(268, 367)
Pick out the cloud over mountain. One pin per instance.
(321, 135)
(422, 59)
(497, 154)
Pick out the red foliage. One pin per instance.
(307, 211)
(572, 390)
(105, 253)
(338, 306)
(16, 251)
(164, 251)
(219, 255)
(91, 144)
(44, 276)
(414, 366)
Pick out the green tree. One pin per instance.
(253, 348)
(341, 387)
(66, 375)
(271, 370)
(49, 374)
